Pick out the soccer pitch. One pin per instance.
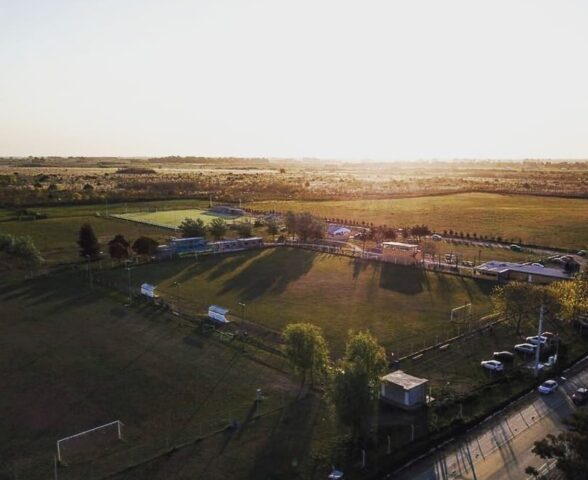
(173, 218)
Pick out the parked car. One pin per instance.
(494, 365)
(436, 237)
(503, 356)
(548, 335)
(535, 340)
(516, 248)
(525, 347)
(547, 387)
(580, 396)
(540, 265)
(582, 253)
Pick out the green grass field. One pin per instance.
(545, 221)
(74, 359)
(400, 305)
(173, 218)
(56, 237)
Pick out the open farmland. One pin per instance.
(548, 221)
(173, 218)
(400, 305)
(74, 359)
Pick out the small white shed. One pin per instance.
(218, 313)
(148, 290)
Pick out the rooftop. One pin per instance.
(496, 266)
(189, 239)
(403, 379)
(219, 310)
(398, 244)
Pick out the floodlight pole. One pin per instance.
(128, 268)
(177, 285)
(90, 279)
(242, 310)
(539, 331)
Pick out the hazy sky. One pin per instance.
(392, 79)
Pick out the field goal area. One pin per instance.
(89, 443)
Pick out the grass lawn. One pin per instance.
(545, 221)
(173, 218)
(115, 208)
(56, 237)
(73, 359)
(400, 305)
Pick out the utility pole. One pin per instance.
(539, 331)
(128, 268)
(177, 285)
(90, 279)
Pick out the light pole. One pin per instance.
(242, 305)
(128, 268)
(539, 331)
(90, 279)
(177, 285)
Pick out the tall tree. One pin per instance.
(571, 298)
(192, 228)
(118, 247)
(290, 221)
(244, 229)
(356, 382)
(272, 227)
(145, 246)
(88, 242)
(568, 448)
(218, 228)
(516, 301)
(306, 350)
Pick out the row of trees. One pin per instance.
(304, 225)
(118, 248)
(218, 228)
(520, 302)
(353, 381)
(21, 247)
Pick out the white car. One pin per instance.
(535, 340)
(494, 365)
(525, 347)
(547, 387)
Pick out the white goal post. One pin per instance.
(90, 439)
(465, 311)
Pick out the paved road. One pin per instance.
(500, 448)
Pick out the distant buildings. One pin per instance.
(227, 210)
(196, 245)
(507, 271)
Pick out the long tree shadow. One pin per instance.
(231, 264)
(402, 279)
(288, 442)
(271, 273)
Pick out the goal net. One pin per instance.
(90, 443)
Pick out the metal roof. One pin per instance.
(189, 239)
(496, 266)
(399, 244)
(219, 310)
(403, 380)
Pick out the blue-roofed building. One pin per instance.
(179, 246)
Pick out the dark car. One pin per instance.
(580, 396)
(503, 356)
